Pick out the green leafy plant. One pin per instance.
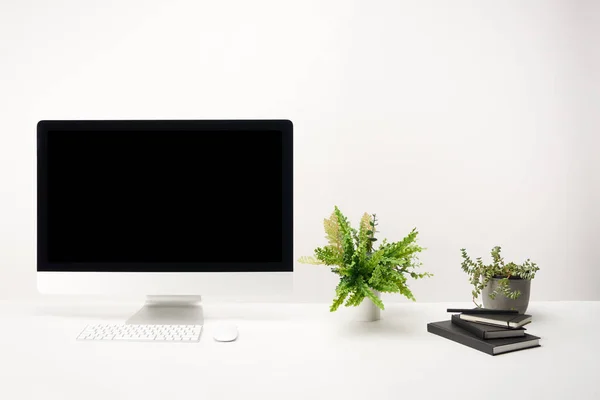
(364, 270)
(481, 274)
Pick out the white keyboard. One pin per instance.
(142, 333)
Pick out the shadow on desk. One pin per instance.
(212, 312)
(100, 312)
(394, 323)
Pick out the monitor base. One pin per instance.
(169, 310)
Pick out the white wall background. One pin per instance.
(475, 121)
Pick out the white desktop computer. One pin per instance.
(169, 209)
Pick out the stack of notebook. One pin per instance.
(491, 331)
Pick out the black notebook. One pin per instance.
(487, 331)
(493, 347)
(506, 320)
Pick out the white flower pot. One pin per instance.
(367, 311)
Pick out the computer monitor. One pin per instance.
(171, 209)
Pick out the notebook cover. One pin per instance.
(455, 333)
(480, 330)
(502, 320)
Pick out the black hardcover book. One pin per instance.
(493, 347)
(478, 310)
(505, 321)
(487, 331)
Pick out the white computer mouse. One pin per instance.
(225, 332)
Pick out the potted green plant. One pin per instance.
(503, 285)
(366, 271)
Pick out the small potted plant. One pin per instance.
(365, 271)
(502, 285)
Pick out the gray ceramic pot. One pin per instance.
(502, 302)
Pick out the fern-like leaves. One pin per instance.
(310, 260)
(364, 270)
(342, 291)
(332, 231)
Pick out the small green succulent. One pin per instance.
(481, 274)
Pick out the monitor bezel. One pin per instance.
(284, 126)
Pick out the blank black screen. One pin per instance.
(164, 196)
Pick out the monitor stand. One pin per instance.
(169, 310)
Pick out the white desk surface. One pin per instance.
(294, 351)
